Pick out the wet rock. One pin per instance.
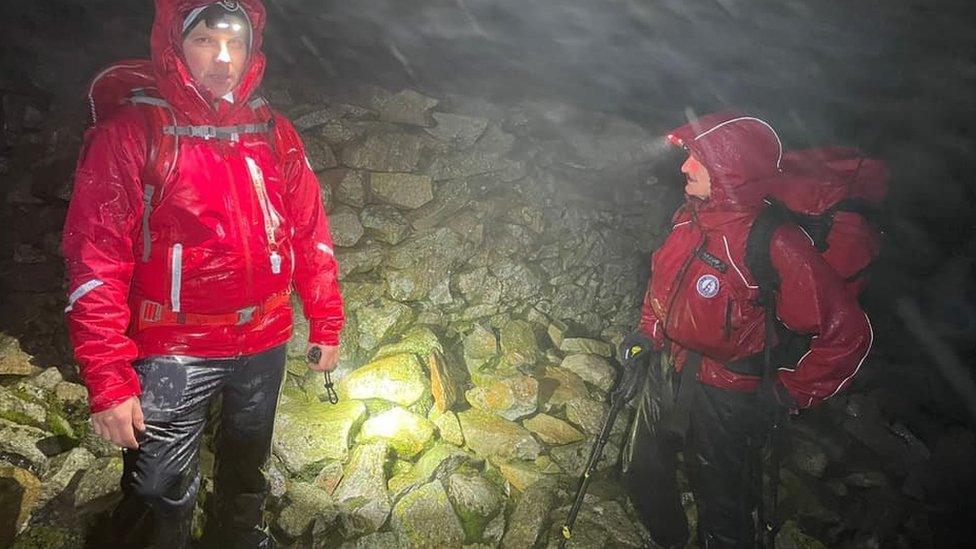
(592, 369)
(590, 416)
(382, 321)
(46, 379)
(552, 430)
(402, 190)
(530, 516)
(584, 345)
(791, 537)
(418, 340)
(396, 378)
(448, 426)
(476, 501)
(308, 431)
(457, 131)
(440, 462)
(19, 492)
(404, 107)
(452, 197)
(808, 457)
(520, 474)
(480, 348)
(18, 444)
(99, 488)
(362, 491)
(13, 360)
(384, 223)
(490, 435)
(377, 540)
(303, 504)
(407, 433)
(319, 154)
(345, 226)
(511, 397)
(329, 477)
(447, 381)
(42, 536)
(518, 343)
(21, 411)
(559, 387)
(425, 518)
(347, 186)
(361, 259)
(572, 458)
(62, 469)
(472, 163)
(385, 152)
(606, 520)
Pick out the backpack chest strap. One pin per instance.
(206, 132)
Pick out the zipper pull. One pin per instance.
(275, 263)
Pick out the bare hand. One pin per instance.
(116, 424)
(329, 359)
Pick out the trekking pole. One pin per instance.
(629, 382)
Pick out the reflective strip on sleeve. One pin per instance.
(176, 281)
(325, 248)
(80, 292)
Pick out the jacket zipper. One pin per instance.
(271, 218)
(678, 279)
(147, 196)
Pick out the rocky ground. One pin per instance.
(491, 256)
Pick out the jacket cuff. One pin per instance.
(323, 332)
(123, 386)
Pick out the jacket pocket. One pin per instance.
(176, 276)
(728, 318)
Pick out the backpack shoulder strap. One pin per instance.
(758, 258)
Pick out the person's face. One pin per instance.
(216, 57)
(698, 182)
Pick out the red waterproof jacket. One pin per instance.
(228, 234)
(702, 297)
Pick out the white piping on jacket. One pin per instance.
(779, 142)
(859, 364)
(80, 292)
(176, 277)
(325, 248)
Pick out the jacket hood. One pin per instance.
(741, 153)
(173, 77)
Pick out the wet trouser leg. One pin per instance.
(723, 443)
(250, 397)
(160, 480)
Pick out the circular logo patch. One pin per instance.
(707, 286)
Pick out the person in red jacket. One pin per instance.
(179, 290)
(702, 304)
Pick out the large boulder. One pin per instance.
(98, 489)
(457, 131)
(62, 470)
(303, 503)
(406, 432)
(530, 516)
(403, 190)
(385, 152)
(425, 518)
(308, 431)
(489, 435)
(18, 444)
(439, 462)
(19, 492)
(476, 501)
(382, 321)
(518, 343)
(395, 378)
(362, 491)
(345, 226)
(593, 369)
(404, 107)
(13, 360)
(510, 397)
(384, 223)
(552, 430)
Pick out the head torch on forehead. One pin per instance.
(229, 16)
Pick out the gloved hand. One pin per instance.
(634, 345)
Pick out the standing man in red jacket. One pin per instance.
(702, 304)
(179, 288)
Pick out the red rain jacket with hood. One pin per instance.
(702, 297)
(213, 229)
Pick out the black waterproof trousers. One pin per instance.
(161, 479)
(722, 434)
